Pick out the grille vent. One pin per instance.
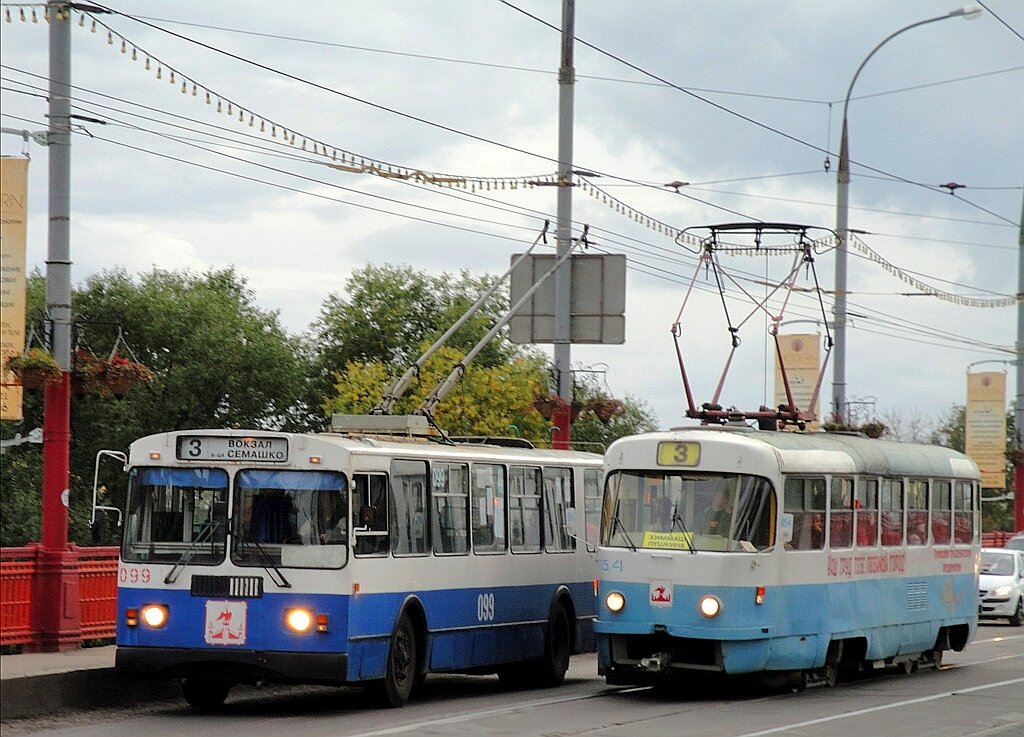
(231, 587)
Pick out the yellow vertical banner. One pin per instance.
(801, 358)
(985, 426)
(14, 197)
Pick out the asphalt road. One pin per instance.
(977, 693)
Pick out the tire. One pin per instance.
(205, 694)
(400, 676)
(557, 649)
(515, 677)
(1017, 620)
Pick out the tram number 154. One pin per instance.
(485, 607)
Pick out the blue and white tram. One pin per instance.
(732, 550)
(321, 558)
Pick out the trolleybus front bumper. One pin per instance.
(241, 666)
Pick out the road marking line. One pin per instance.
(860, 712)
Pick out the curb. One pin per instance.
(43, 695)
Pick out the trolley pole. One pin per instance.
(563, 276)
(55, 612)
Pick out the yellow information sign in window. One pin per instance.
(667, 540)
(678, 454)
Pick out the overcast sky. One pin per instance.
(752, 106)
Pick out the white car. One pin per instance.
(1015, 543)
(1001, 585)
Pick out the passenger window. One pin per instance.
(558, 498)
(841, 513)
(941, 507)
(963, 502)
(450, 521)
(805, 500)
(524, 487)
(866, 507)
(891, 505)
(917, 512)
(408, 507)
(370, 494)
(592, 506)
(487, 508)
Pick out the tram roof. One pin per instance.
(796, 451)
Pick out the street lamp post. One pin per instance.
(839, 408)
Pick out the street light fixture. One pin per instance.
(968, 12)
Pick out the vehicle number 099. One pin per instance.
(134, 575)
(485, 607)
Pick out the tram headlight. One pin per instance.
(154, 615)
(615, 601)
(709, 606)
(299, 620)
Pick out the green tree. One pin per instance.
(389, 314)
(219, 361)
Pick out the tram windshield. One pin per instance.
(293, 519)
(688, 511)
(176, 512)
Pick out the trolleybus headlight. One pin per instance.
(710, 606)
(154, 615)
(615, 601)
(299, 620)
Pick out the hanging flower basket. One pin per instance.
(88, 375)
(121, 375)
(548, 406)
(604, 407)
(34, 368)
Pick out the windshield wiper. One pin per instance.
(687, 537)
(190, 552)
(617, 524)
(268, 564)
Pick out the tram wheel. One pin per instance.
(557, 648)
(205, 694)
(400, 676)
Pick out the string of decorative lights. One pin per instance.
(340, 159)
(865, 250)
(348, 161)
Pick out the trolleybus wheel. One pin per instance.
(557, 648)
(205, 694)
(400, 676)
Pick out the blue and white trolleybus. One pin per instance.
(330, 558)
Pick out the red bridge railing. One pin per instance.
(97, 587)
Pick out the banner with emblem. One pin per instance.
(801, 359)
(14, 197)
(985, 426)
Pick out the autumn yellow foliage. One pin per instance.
(495, 401)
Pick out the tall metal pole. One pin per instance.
(839, 404)
(55, 597)
(1018, 410)
(563, 228)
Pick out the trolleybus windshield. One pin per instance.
(688, 511)
(295, 519)
(176, 512)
